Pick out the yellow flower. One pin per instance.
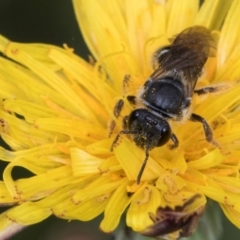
(55, 109)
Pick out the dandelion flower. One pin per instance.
(56, 107)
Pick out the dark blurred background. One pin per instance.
(53, 22)
(45, 21)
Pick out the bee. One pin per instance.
(167, 93)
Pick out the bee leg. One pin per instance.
(116, 140)
(175, 141)
(118, 136)
(125, 131)
(143, 165)
(211, 89)
(116, 112)
(125, 85)
(125, 122)
(132, 100)
(207, 130)
(118, 108)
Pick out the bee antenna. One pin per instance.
(144, 163)
(118, 136)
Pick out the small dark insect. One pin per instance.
(167, 220)
(167, 93)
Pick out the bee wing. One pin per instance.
(186, 55)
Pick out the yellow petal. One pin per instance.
(212, 13)
(5, 197)
(84, 163)
(231, 214)
(131, 160)
(114, 211)
(229, 34)
(25, 214)
(181, 14)
(211, 159)
(87, 210)
(104, 184)
(141, 205)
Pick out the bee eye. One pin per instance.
(165, 130)
(165, 135)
